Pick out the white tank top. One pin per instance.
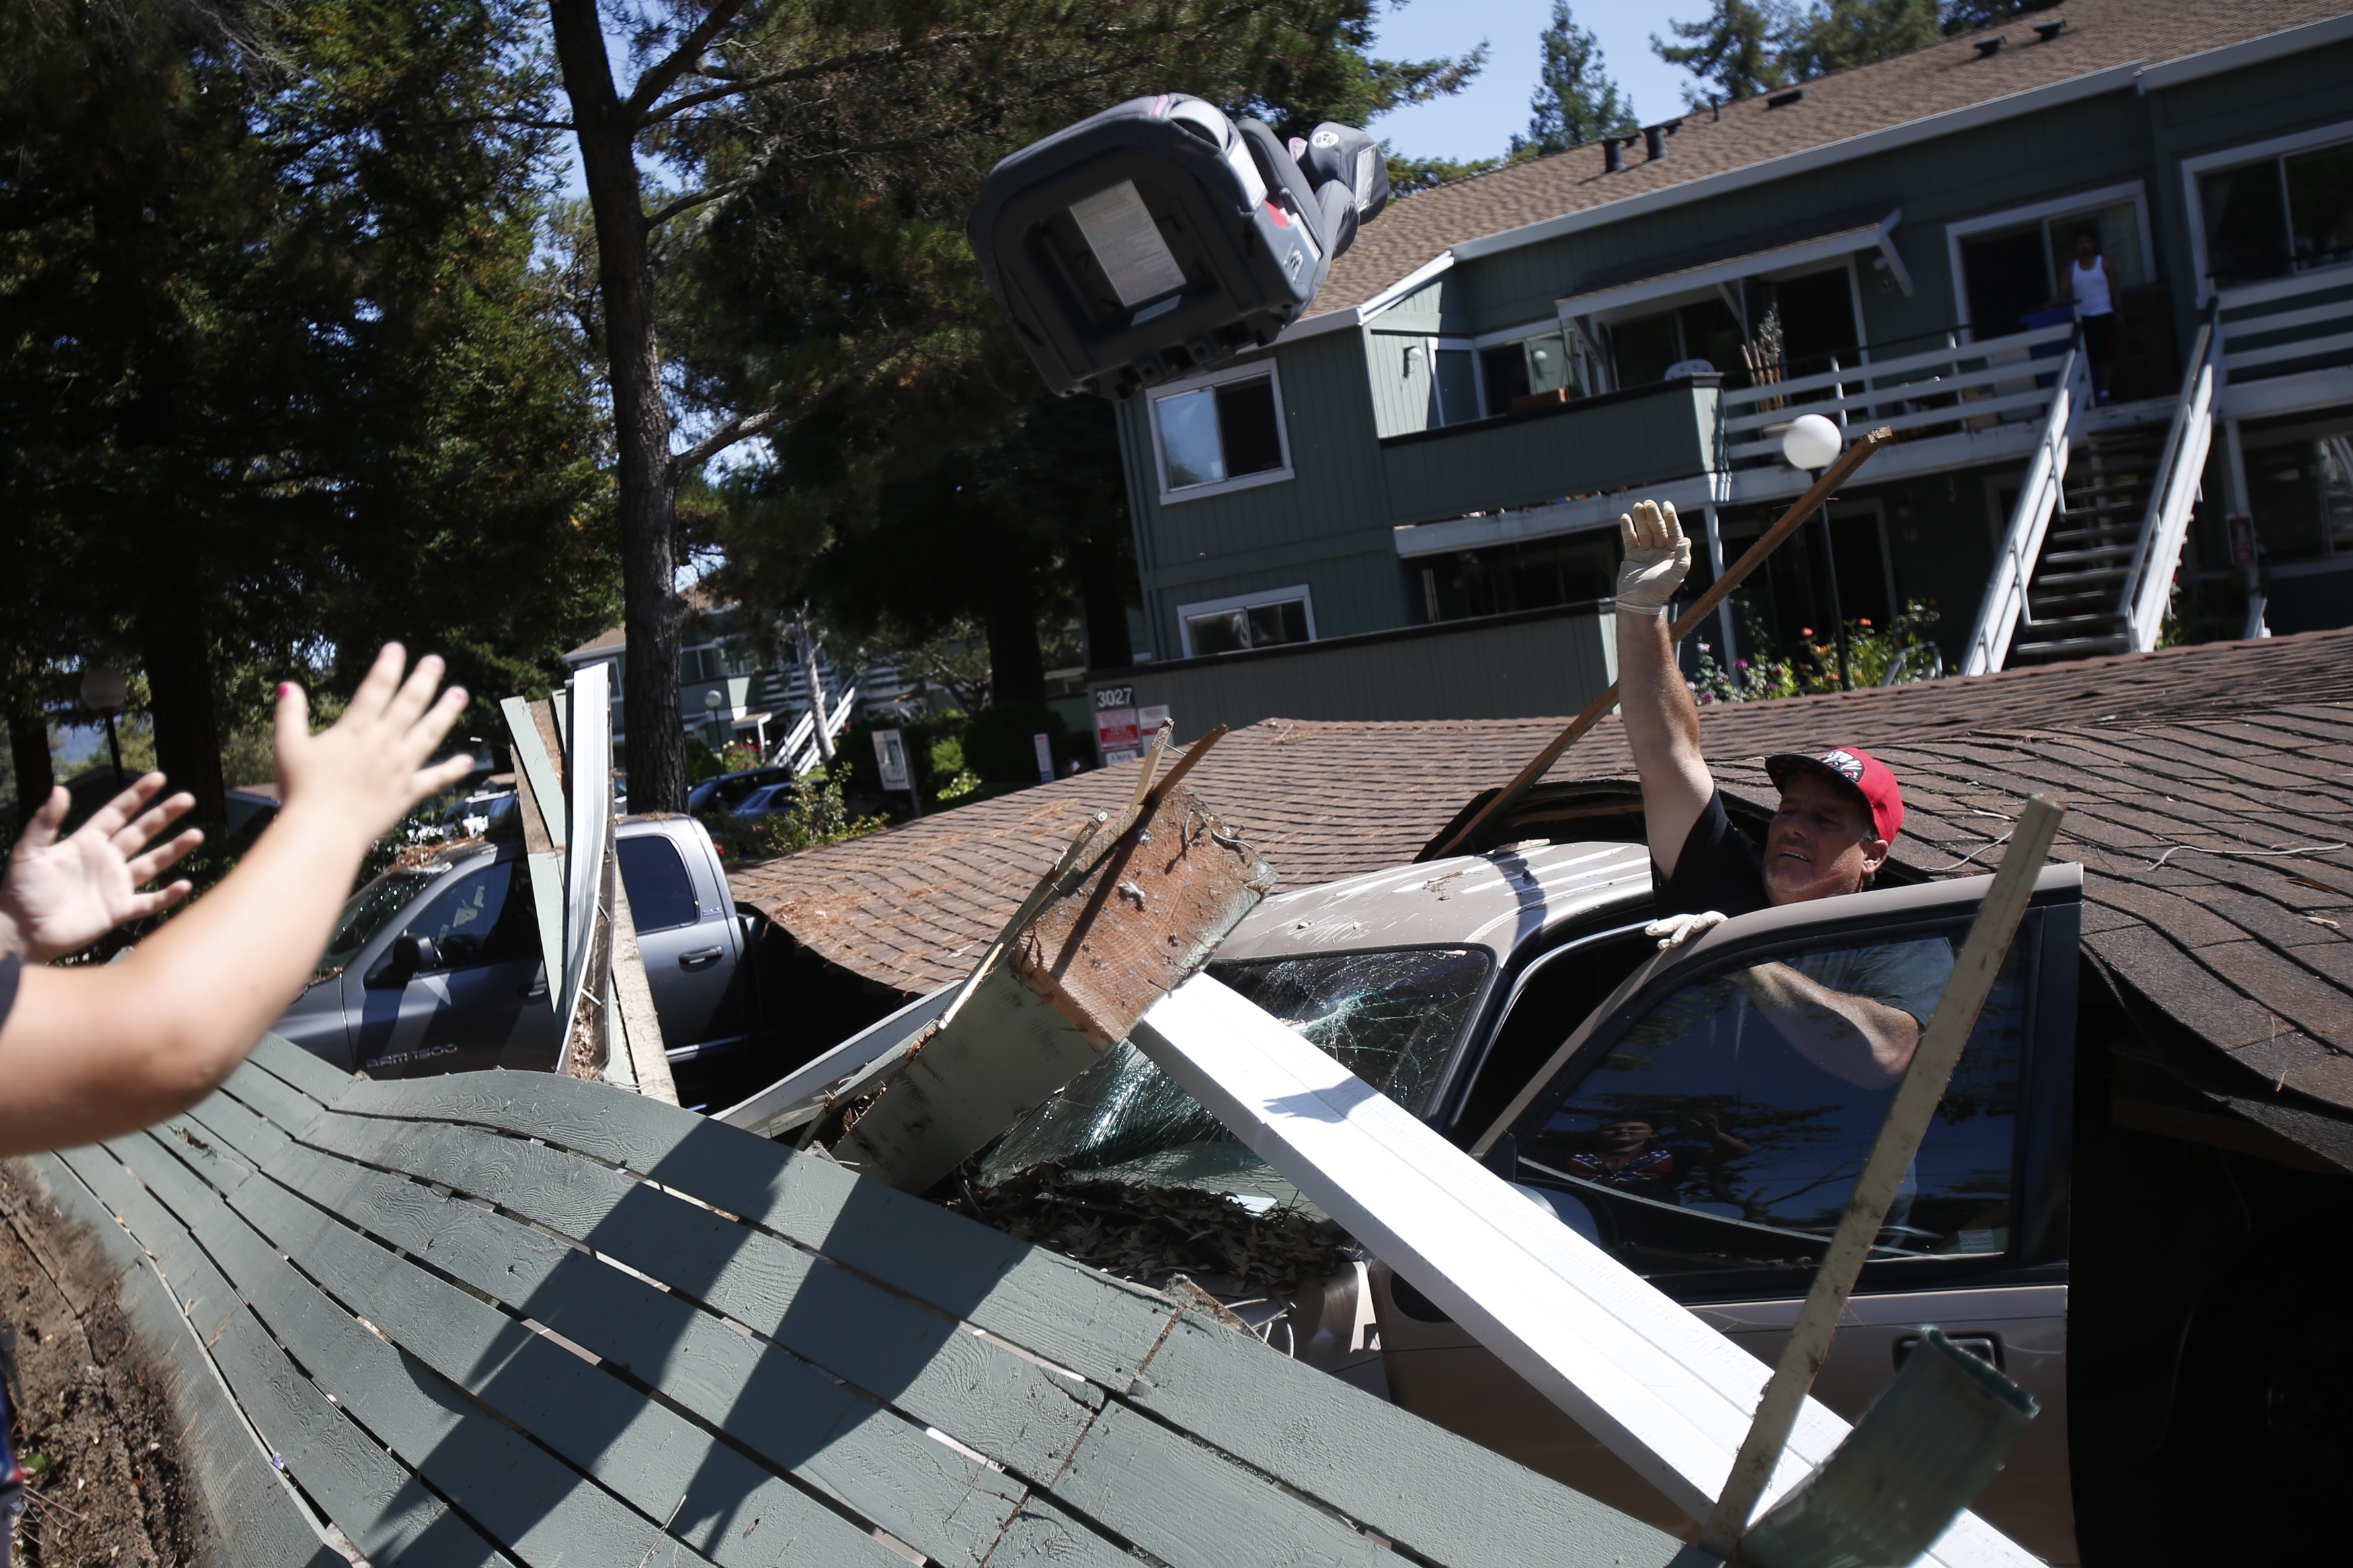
(2092, 290)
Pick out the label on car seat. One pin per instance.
(1127, 244)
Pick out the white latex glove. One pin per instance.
(1681, 930)
(1658, 559)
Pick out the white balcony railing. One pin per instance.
(1967, 386)
(2282, 326)
(2004, 604)
(2148, 580)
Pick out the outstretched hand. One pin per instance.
(368, 768)
(63, 895)
(1658, 558)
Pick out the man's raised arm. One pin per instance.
(1661, 722)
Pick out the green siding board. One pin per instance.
(1521, 669)
(283, 1058)
(1602, 445)
(247, 1515)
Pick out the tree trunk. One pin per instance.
(180, 704)
(28, 753)
(817, 697)
(1107, 584)
(1017, 665)
(652, 613)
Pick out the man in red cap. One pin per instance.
(1839, 811)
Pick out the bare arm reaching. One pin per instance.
(94, 1052)
(1661, 722)
(62, 895)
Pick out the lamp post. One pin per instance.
(711, 716)
(103, 691)
(1812, 444)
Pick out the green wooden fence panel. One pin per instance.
(247, 1510)
(515, 1310)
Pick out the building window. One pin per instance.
(1534, 367)
(1225, 434)
(2007, 265)
(1527, 576)
(1267, 619)
(2284, 214)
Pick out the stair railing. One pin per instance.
(800, 750)
(2004, 604)
(2148, 580)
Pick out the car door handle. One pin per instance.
(700, 957)
(1987, 1348)
(534, 991)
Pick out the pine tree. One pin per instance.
(1736, 52)
(1575, 101)
(1856, 32)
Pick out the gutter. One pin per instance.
(2252, 52)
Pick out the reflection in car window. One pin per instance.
(1717, 1133)
(484, 918)
(661, 896)
(1389, 1017)
(366, 911)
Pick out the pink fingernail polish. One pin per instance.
(285, 689)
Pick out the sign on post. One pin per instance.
(891, 759)
(1149, 719)
(1045, 758)
(1116, 735)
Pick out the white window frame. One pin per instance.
(1250, 372)
(1299, 591)
(2132, 191)
(2231, 158)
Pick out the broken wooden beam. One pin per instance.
(1662, 1390)
(1114, 933)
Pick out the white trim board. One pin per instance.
(1637, 1370)
(1697, 279)
(2250, 52)
(1356, 315)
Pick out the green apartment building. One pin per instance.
(1406, 509)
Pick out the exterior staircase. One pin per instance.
(2087, 565)
(2071, 600)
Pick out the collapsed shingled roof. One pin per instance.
(1951, 75)
(2198, 781)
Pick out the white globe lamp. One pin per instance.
(1812, 442)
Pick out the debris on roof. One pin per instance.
(2207, 788)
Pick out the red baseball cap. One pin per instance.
(1857, 770)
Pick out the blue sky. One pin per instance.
(1479, 121)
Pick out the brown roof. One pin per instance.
(1946, 76)
(697, 599)
(2185, 771)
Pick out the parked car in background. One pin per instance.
(728, 790)
(436, 965)
(768, 799)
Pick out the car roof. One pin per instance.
(1505, 900)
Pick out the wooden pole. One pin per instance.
(1916, 1097)
(1791, 521)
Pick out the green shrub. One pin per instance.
(817, 816)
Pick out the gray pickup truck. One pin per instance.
(435, 967)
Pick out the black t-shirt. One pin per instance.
(12, 969)
(1718, 869)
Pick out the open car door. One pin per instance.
(1706, 1125)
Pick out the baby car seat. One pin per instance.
(1160, 236)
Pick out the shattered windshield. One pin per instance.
(364, 913)
(1391, 1018)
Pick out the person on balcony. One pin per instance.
(2089, 283)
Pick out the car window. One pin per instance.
(484, 917)
(1391, 1017)
(365, 913)
(1723, 1130)
(661, 896)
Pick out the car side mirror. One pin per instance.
(410, 957)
